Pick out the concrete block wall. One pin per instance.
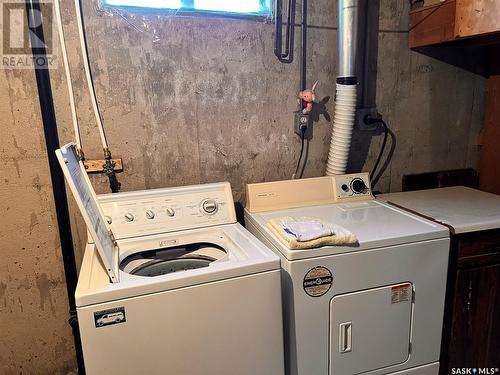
(188, 100)
(34, 335)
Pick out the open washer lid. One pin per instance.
(80, 186)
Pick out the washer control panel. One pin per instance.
(156, 211)
(351, 186)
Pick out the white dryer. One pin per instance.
(372, 308)
(171, 284)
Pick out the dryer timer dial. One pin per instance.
(209, 206)
(358, 186)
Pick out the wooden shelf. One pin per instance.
(432, 25)
(477, 17)
(474, 21)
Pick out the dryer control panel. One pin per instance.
(148, 212)
(278, 195)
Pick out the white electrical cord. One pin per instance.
(343, 124)
(90, 83)
(68, 76)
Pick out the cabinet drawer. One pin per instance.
(480, 248)
(475, 319)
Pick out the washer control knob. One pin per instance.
(358, 186)
(129, 217)
(150, 214)
(209, 206)
(108, 219)
(170, 212)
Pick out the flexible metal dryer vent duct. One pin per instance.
(345, 103)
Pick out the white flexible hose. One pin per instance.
(68, 75)
(90, 83)
(343, 124)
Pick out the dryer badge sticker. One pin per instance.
(109, 317)
(318, 281)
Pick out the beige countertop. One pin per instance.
(463, 209)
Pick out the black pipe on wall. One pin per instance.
(367, 62)
(39, 51)
(303, 59)
(286, 55)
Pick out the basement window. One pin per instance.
(238, 7)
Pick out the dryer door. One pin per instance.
(370, 329)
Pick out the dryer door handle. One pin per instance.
(345, 337)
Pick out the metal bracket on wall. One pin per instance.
(98, 166)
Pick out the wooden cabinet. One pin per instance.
(472, 317)
(455, 20)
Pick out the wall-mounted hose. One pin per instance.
(109, 167)
(88, 75)
(69, 81)
(346, 97)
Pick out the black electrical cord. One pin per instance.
(305, 161)
(382, 149)
(302, 137)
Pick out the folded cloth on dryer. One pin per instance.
(309, 232)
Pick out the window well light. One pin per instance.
(249, 7)
(166, 4)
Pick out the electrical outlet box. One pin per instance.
(361, 113)
(301, 120)
(351, 186)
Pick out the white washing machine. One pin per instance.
(371, 308)
(172, 284)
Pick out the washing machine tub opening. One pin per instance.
(168, 260)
